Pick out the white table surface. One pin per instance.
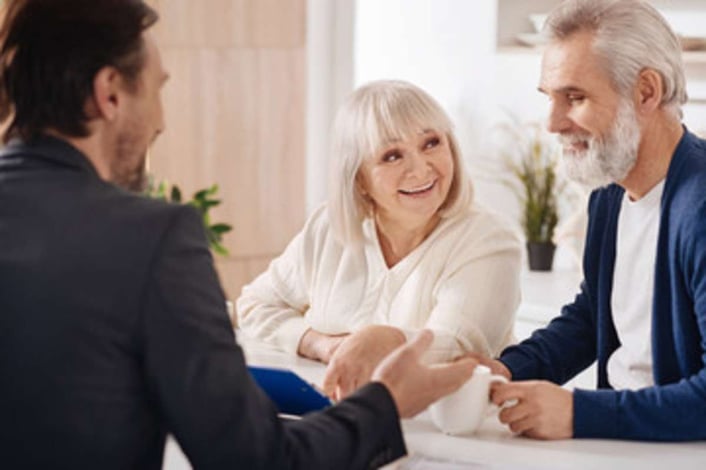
(493, 446)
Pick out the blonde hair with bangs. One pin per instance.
(373, 116)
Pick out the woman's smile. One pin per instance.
(420, 190)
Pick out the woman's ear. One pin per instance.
(362, 192)
(649, 91)
(107, 88)
(360, 185)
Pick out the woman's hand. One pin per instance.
(354, 360)
(319, 346)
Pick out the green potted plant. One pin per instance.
(203, 200)
(533, 163)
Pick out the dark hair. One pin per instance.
(50, 52)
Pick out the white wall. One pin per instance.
(329, 80)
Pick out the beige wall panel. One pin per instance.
(274, 23)
(268, 183)
(234, 275)
(227, 23)
(258, 265)
(236, 272)
(236, 118)
(234, 112)
(176, 155)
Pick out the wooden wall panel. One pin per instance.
(235, 113)
(228, 23)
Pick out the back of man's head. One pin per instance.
(629, 36)
(50, 52)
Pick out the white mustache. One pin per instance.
(567, 140)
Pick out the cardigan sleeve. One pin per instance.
(478, 293)
(567, 345)
(559, 351)
(272, 307)
(672, 412)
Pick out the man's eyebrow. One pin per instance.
(564, 89)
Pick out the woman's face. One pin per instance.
(408, 180)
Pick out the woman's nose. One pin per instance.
(417, 164)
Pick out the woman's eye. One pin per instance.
(431, 142)
(391, 156)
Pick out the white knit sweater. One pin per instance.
(462, 282)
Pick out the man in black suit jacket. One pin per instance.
(113, 329)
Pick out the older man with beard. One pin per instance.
(613, 73)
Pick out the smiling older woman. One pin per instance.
(399, 247)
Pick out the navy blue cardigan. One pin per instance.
(675, 408)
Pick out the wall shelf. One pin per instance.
(690, 57)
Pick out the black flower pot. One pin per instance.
(540, 255)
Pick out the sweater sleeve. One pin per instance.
(478, 293)
(559, 351)
(567, 345)
(272, 308)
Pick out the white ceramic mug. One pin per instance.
(464, 410)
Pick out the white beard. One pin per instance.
(606, 160)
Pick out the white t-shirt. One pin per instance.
(462, 282)
(630, 366)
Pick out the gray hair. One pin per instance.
(371, 117)
(630, 35)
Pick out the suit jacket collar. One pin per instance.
(50, 149)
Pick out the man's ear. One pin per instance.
(649, 91)
(107, 89)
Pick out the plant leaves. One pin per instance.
(203, 200)
(534, 169)
(221, 228)
(176, 194)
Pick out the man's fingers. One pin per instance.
(449, 377)
(330, 391)
(522, 426)
(346, 385)
(474, 355)
(481, 358)
(502, 392)
(330, 382)
(420, 343)
(512, 414)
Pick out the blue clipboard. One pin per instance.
(291, 394)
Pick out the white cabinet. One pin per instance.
(686, 17)
(513, 19)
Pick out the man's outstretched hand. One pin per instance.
(415, 386)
